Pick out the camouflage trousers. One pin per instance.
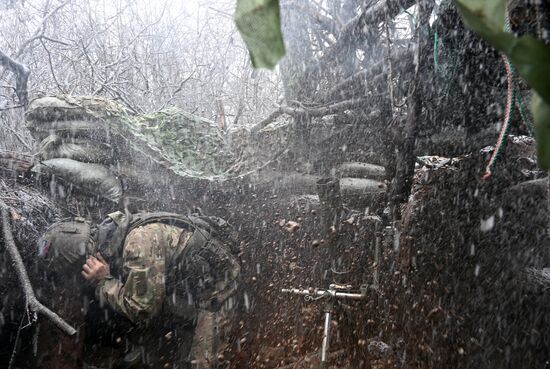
(211, 340)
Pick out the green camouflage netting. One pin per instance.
(192, 146)
(188, 145)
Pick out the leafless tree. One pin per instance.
(148, 55)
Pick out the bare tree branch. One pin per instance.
(51, 66)
(21, 77)
(312, 112)
(31, 299)
(15, 133)
(39, 33)
(11, 107)
(354, 31)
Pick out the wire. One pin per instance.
(524, 116)
(509, 107)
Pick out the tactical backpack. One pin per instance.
(210, 236)
(113, 230)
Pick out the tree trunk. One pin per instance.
(405, 158)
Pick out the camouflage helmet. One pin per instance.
(65, 244)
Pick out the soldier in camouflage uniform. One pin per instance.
(176, 284)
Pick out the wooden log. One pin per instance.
(16, 163)
(320, 111)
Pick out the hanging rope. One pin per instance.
(509, 107)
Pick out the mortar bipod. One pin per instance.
(330, 295)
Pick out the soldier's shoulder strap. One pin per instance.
(187, 222)
(113, 232)
(208, 226)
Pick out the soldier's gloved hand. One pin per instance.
(95, 269)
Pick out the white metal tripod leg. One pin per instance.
(326, 331)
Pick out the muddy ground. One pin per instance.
(450, 286)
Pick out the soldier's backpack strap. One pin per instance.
(113, 230)
(177, 220)
(209, 226)
(111, 233)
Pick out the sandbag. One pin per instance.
(66, 107)
(91, 129)
(190, 146)
(53, 147)
(93, 178)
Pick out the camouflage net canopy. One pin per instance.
(86, 129)
(192, 145)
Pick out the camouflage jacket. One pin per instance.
(168, 269)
